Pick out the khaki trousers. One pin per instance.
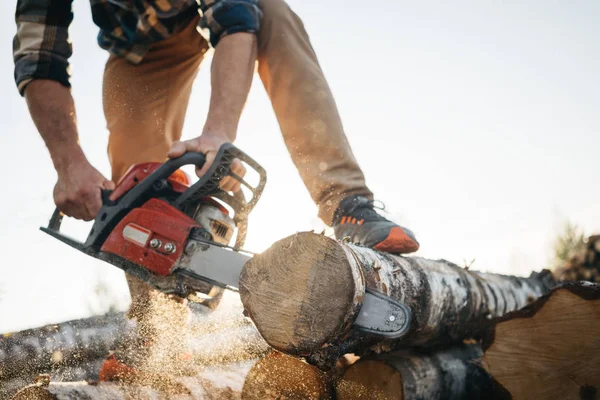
(145, 107)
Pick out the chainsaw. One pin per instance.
(177, 236)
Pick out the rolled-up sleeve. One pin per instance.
(224, 17)
(41, 47)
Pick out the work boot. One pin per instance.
(357, 220)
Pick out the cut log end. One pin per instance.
(299, 292)
(370, 379)
(279, 376)
(34, 393)
(550, 349)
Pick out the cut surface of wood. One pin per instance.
(550, 349)
(370, 379)
(299, 292)
(278, 376)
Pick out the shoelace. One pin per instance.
(370, 205)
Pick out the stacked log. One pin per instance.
(454, 373)
(280, 376)
(70, 350)
(550, 349)
(305, 292)
(584, 264)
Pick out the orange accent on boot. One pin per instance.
(397, 242)
(114, 370)
(343, 220)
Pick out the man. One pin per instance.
(155, 52)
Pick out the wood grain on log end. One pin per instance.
(301, 292)
(550, 348)
(34, 392)
(370, 379)
(279, 376)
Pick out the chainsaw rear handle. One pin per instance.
(162, 172)
(112, 211)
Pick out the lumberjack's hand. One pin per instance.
(208, 144)
(77, 191)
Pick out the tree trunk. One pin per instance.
(305, 291)
(279, 376)
(214, 383)
(550, 349)
(450, 374)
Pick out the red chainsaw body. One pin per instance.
(155, 219)
(158, 220)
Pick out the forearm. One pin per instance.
(231, 77)
(53, 111)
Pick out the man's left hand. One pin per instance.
(208, 144)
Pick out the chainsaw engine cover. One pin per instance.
(152, 236)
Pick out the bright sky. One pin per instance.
(476, 123)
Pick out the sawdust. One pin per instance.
(219, 344)
(182, 346)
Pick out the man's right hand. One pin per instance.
(77, 191)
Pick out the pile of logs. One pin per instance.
(304, 292)
(471, 335)
(584, 264)
(546, 350)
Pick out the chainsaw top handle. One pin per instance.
(113, 211)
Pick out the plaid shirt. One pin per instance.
(41, 47)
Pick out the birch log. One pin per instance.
(66, 344)
(305, 291)
(450, 374)
(550, 349)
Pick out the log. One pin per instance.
(549, 349)
(279, 376)
(450, 374)
(215, 383)
(305, 291)
(41, 349)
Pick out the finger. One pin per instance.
(108, 185)
(93, 203)
(210, 157)
(177, 149)
(237, 167)
(227, 184)
(73, 210)
(89, 203)
(236, 186)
